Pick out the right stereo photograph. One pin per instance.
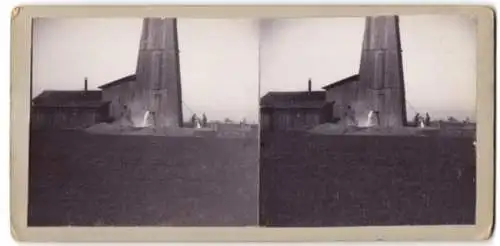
(367, 121)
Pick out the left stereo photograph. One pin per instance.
(144, 122)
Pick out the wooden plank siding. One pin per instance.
(119, 96)
(342, 96)
(67, 117)
(293, 118)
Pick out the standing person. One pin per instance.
(194, 120)
(427, 121)
(351, 116)
(126, 115)
(376, 120)
(416, 119)
(152, 118)
(345, 118)
(204, 120)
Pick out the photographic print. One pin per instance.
(144, 122)
(368, 121)
(252, 123)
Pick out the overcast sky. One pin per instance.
(439, 58)
(220, 59)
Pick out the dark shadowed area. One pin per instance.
(318, 180)
(81, 179)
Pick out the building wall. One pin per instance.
(343, 95)
(265, 119)
(292, 119)
(119, 96)
(66, 118)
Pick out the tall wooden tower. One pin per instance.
(158, 72)
(381, 86)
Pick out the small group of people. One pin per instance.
(199, 123)
(373, 118)
(148, 118)
(421, 121)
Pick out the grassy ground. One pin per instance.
(319, 180)
(83, 179)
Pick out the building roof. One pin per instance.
(294, 99)
(76, 99)
(129, 78)
(342, 81)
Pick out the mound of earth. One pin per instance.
(233, 132)
(122, 129)
(329, 128)
(336, 129)
(110, 128)
(393, 131)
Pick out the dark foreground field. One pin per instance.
(82, 179)
(318, 180)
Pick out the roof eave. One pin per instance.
(352, 78)
(104, 103)
(129, 78)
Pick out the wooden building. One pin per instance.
(68, 109)
(379, 87)
(342, 94)
(119, 93)
(306, 109)
(156, 85)
(294, 110)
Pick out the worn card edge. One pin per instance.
(20, 88)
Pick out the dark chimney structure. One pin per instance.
(86, 85)
(309, 86)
